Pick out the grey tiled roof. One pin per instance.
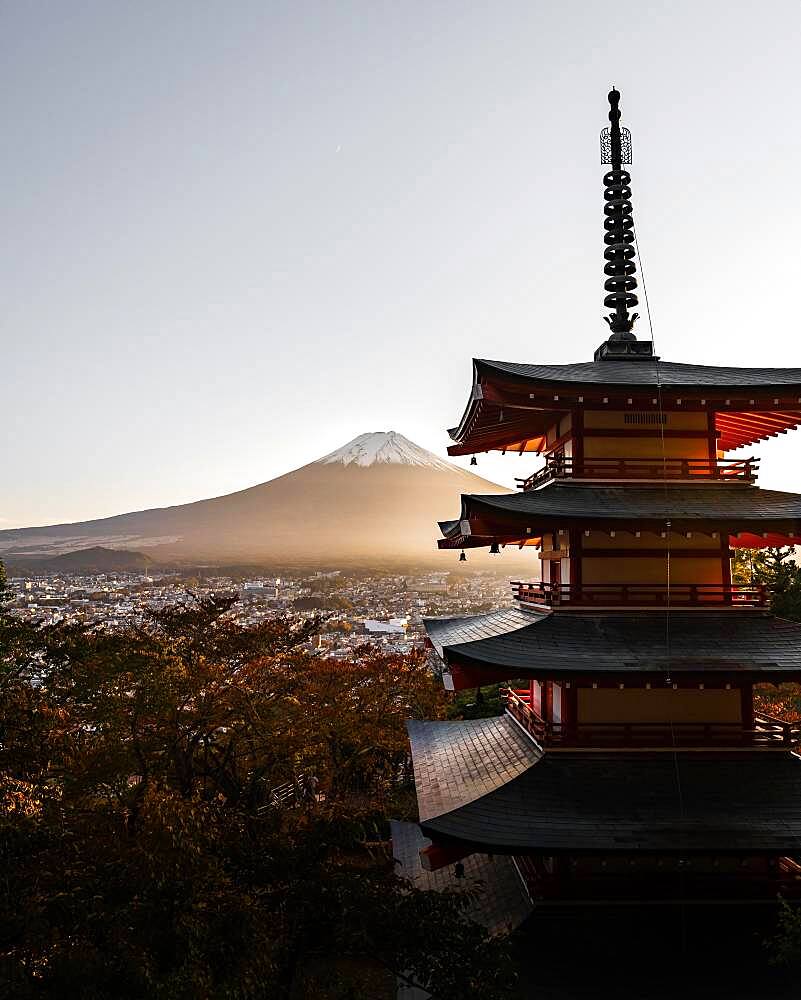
(446, 631)
(661, 802)
(457, 762)
(678, 503)
(498, 899)
(569, 642)
(642, 372)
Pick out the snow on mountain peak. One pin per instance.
(384, 448)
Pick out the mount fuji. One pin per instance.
(377, 499)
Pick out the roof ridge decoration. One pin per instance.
(619, 254)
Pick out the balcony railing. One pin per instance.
(640, 595)
(742, 470)
(766, 733)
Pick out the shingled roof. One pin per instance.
(738, 507)
(646, 372)
(568, 644)
(457, 762)
(592, 803)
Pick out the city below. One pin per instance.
(385, 610)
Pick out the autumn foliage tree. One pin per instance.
(144, 850)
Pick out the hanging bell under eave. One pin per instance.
(463, 556)
(474, 460)
(494, 549)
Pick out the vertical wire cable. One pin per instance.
(668, 529)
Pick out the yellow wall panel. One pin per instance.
(658, 705)
(650, 569)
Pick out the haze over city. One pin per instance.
(238, 237)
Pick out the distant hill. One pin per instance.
(96, 559)
(374, 501)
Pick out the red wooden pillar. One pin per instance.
(547, 701)
(577, 430)
(569, 709)
(713, 442)
(575, 560)
(725, 564)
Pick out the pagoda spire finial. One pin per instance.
(620, 252)
(619, 225)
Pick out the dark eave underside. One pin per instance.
(571, 644)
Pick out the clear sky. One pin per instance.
(237, 234)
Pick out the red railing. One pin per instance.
(742, 470)
(767, 732)
(640, 595)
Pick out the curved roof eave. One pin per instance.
(607, 803)
(562, 503)
(569, 644)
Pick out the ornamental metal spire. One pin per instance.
(619, 225)
(619, 239)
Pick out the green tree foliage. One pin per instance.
(775, 568)
(144, 853)
(784, 947)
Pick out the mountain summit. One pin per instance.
(384, 448)
(374, 501)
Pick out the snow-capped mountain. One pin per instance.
(384, 448)
(375, 500)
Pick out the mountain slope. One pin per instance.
(95, 559)
(376, 499)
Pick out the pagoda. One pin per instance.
(631, 762)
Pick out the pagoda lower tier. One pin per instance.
(611, 826)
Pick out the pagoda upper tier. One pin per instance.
(515, 407)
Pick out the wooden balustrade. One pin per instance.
(742, 470)
(640, 595)
(767, 732)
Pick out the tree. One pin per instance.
(145, 854)
(784, 947)
(777, 569)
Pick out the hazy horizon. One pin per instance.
(238, 237)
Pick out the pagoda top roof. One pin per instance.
(558, 644)
(594, 803)
(508, 516)
(645, 372)
(512, 405)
